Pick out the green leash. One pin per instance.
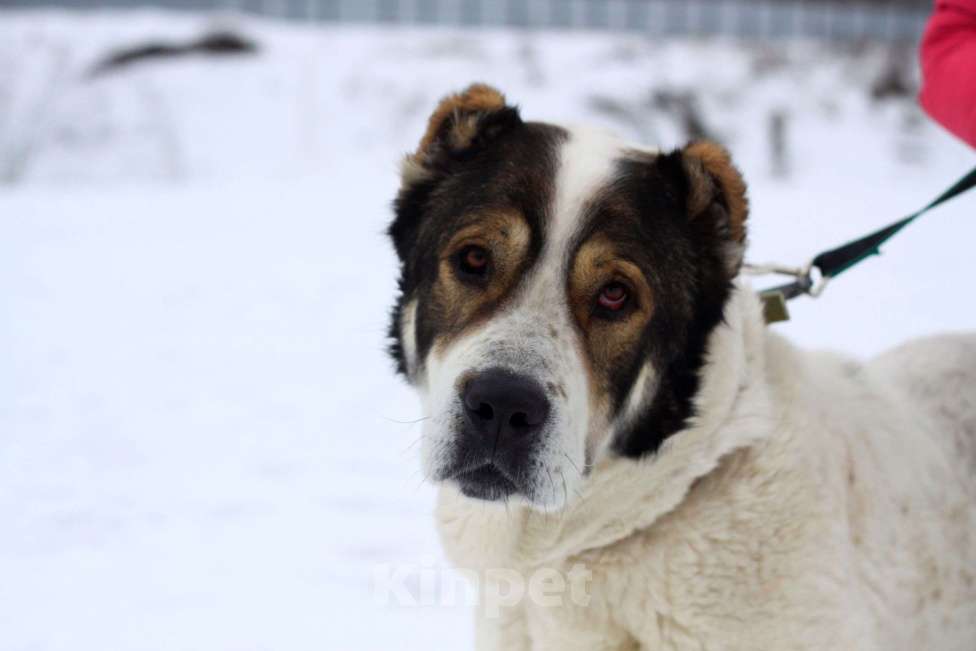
(834, 262)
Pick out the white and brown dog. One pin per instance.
(601, 393)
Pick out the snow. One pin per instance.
(202, 444)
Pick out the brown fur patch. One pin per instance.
(715, 162)
(458, 305)
(609, 342)
(461, 113)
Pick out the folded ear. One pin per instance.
(460, 125)
(717, 198)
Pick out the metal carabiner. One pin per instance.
(803, 283)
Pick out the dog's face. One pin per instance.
(557, 289)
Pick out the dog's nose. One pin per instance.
(503, 404)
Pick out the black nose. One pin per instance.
(504, 406)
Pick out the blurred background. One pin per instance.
(202, 443)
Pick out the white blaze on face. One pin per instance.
(534, 335)
(586, 165)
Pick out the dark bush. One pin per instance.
(212, 44)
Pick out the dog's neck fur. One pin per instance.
(622, 496)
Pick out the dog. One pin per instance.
(602, 396)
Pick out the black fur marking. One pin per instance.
(644, 212)
(511, 165)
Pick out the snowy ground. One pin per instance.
(201, 443)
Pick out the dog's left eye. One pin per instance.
(473, 261)
(613, 297)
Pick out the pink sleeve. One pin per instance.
(948, 56)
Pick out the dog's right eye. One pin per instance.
(473, 262)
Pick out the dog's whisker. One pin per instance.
(406, 422)
(412, 445)
(562, 476)
(552, 484)
(571, 462)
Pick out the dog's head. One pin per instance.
(557, 289)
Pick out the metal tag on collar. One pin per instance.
(774, 306)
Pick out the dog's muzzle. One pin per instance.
(505, 414)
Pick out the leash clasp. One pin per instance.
(817, 282)
(807, 280)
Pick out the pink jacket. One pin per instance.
(949, 67)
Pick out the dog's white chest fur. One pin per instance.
(814, 503)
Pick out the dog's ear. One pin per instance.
(715, 198)
(460, 125)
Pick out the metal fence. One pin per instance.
(754, 19)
